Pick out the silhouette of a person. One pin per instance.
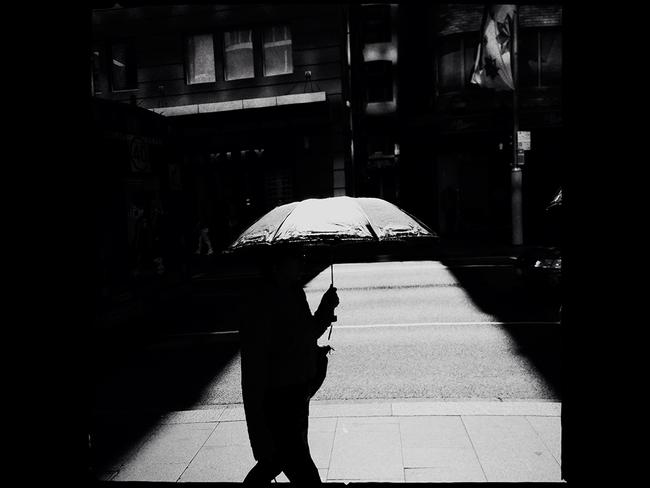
(278, 361)
(204, 238)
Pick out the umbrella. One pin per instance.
(333, 220)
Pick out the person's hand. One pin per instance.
(330, 299)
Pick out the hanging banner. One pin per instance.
(493, 68)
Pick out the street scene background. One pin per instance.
(205, 117)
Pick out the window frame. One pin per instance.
(263, 29)
(537, 35)
(219, 47)
(386, 10)
(98, 84)
(467, 40)
(186, 59)
(130, 42)
(255, 63)
(367, 78)
(548, 29)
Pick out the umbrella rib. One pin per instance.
(281, 224)
(370, 225)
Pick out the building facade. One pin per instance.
(275, 103)
(255, 94)
(445, 144)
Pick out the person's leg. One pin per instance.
(262, 474)
(292, 435)
(208, 242)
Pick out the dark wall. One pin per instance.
(139, 206)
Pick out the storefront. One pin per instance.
(139, 204)
(243, 164)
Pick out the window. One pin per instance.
(528, 58)
(379, 81)
(97, 59)
(238, 49)
(456, 58)
(449, 63)
(278, 58)
(540, 57)
(124, 74)
(199, 51)
(376, 24)
(550, 57)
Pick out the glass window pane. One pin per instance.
(123, 69)
(238, 47)
(471, 48)
(200, 59)
(379, 81)
(449, 64)
(528, 58)
(96, 67)
(376, 23)
(551, 57)
(278, 57)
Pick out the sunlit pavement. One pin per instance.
(362, 441)
(439, 374)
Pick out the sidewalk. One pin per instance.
(399, 441)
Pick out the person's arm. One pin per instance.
(323, 317)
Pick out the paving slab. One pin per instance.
(282, 478)
(233, 414)
(229, 434)
(193, 416)
(106, 475)
(350, 410)
(321, 440)
(166, 472)
(510, 450)
(172, 444)
(442, 444)
(549, 430)
(367, 449)
(477, 408)
(442, 475)
(218, 464)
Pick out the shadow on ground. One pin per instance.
(500, 292)
(141, 371)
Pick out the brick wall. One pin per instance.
(457, 18)
(540, 15)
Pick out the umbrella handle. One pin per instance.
(333, 318)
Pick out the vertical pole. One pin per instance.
(516, 174)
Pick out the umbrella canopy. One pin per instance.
(331, 220)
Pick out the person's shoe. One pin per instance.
(210, 252)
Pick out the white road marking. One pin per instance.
(372, 326)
